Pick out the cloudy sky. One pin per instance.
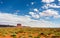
(34, 13)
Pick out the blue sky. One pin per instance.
(23, 5)
(34, 13)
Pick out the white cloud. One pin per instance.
(32, 3)
(57, 16)
(12, 19)
(54, 6)
(46, 6)
(50, 13)
(36, 10)
(59, 0)
(31, 13)
(41, 23)
(45, 14)
(34, 15)
(48, 1)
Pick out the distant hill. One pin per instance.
(1, 25)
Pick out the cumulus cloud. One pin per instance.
(10, 18)
(45, 14)
(50, 13)
(53, 5)
(34, 15)
(36, 10)
(48, 1)
(45, 7)
(13, 19)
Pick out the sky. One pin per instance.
(33, 13)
